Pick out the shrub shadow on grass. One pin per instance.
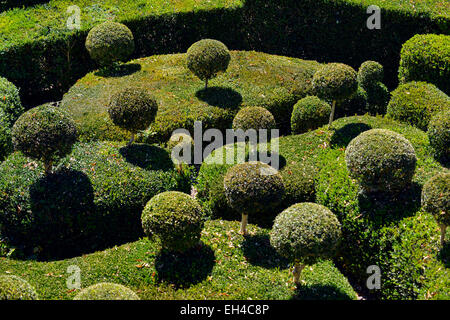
(342, 137)
(319, 292)
(221, 97)
(118, 71)
(185, 269)
(444, 253)
(258, 252)
(147, 157)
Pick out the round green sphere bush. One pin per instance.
(439, 135)
(132, 109)
(10, 104)
(175, 218)
(436, 197)
(110, 42)
(15, 288)
(309, 113)
(254, 118)
(306, 232)
(207, 57)
(335, 81)
(44, 133)
(381, 160)
(106, 291)
(416, 102)
(370, 73)
(180, 143)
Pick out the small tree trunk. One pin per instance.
(443, 228)
(333, 107)
(206, 84)
(297, 271)
(48, 165)
(244, 223)
(131, 140)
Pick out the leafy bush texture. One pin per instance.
(309, 113)
(106, 291)
(439, 135)
(254, 118)
(15, 288)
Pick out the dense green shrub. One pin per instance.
(254, 118)
(381, 160)
(44, 133)
(378, 97)
(93, 199)
(309, 113)
(106, 291)
(369, 73)
(305, 233)
(252, 187)
(175, 218)
(8, 4)
(425, 57)
(132, 109)
(355, 105)
(436, 200)
(298, 180)
(439, 135)
(206, 58)
(10, 102)
(370, 79)
(110, 42)
(15, 288)
(416, 102)
(181, 147)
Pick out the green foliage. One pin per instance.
(369, 73)
(378, 97)
(439, 135)
(370, 79)
(254, 118)
(381, 160)
(15, 288)
(425, 57)
(416, 102)
(436, 197)
(335, 81)
(106, 291)
(309, 113)
(132, 109)
(110, 42)
(175, 218)
(306, 232)
(298, 180)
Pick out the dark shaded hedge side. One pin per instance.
(8, 4)
(326, 30)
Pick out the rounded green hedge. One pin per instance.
(94, 198)
(370, 73)
(106, 291)
(425, 57)
(110, 42)
(254, 118)
(306, 232)
(309, 113)
(175, 218)
(15, 288)
(436, 198)
(439, 135)
(381, 160)
(416, 102)
(378, 97)
(335, 81)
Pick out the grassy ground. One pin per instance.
(226, 266)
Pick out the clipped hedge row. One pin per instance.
(8, 4)
(44, 59)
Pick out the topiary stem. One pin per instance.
(443, 228)
(333, 107)
(297, 271)
(244, 223)
(131, 140)
(48, 165)
(206, 84)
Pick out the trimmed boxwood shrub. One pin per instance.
(425, 57)
(436, 200)
(110, 42)
(254, 118)
(309, 114)
(356, 105)
(206, 58)
(175, 218)
(381, 160)
(439, 135)
(93, 199)
(15, 288)
(416, 102)
(106, 291)
(44, 133)
(370, 79)
(369, 73)
(305, 233)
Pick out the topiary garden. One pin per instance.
(196, 167)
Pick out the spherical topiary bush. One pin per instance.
(252, 187)
(335, 82)
(380, 160)
(15, 288)
(132, 109)
(181, 146)
(254, 118)
(309, 113)
(44, 133)
(206, 58)
(436, 200)
(416, 102)
(106, 291)
(378, 97)
(370, 73)
(175, 218)
(439, 135)
(110, 42)
(10, 102)
(304, 233)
